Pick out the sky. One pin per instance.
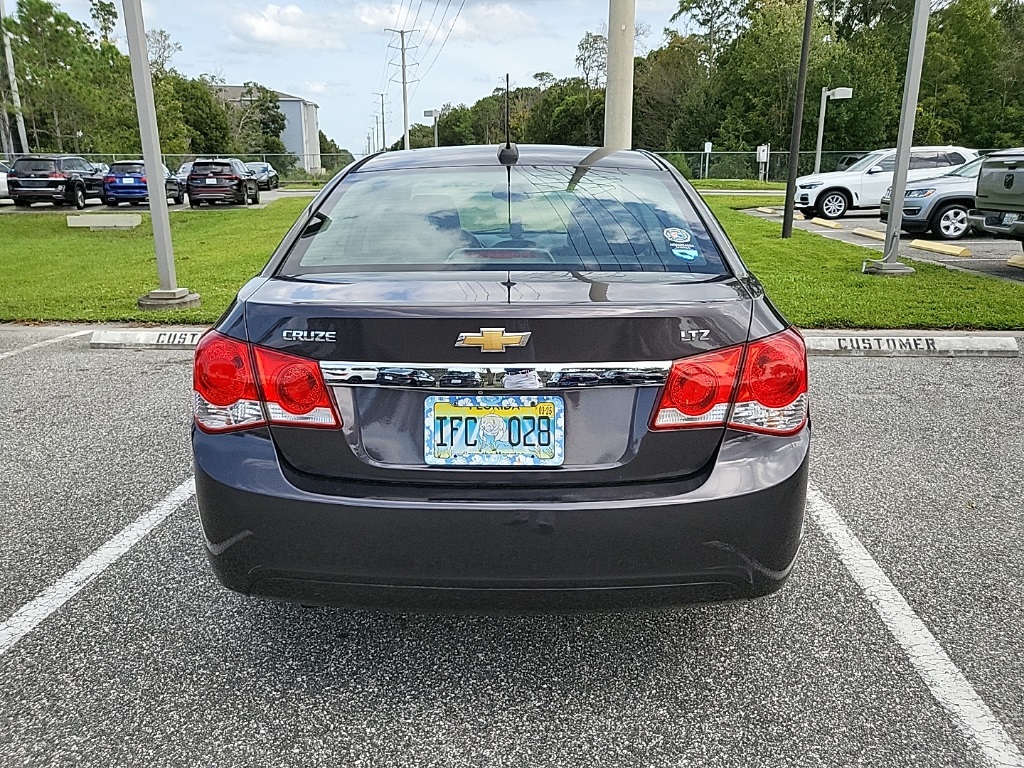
(336, 52)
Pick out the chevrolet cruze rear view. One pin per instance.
(572, 394)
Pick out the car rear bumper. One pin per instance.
(40, 194)
(400, 548)
(199, 193)
(992, 222)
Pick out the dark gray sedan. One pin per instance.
(683, 482)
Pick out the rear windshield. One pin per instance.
(257, 166)
(201, 169)
(128, 168)
(29, 165)
(493, 218)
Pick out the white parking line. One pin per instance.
(54, 340)
(946, 682)
(43, 605)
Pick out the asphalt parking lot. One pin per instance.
(152, 663)
(988, 255)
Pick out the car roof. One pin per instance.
(529, 154)
(47, 157)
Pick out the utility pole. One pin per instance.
(405, 82)
(798, 119)
(618, 111)
(911, 86)
(376, 131)
(383, 140)
(15, 96)
(169, 295)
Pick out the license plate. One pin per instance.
(127, 180)
(211, 181)
(494, 431)
(1009, 218)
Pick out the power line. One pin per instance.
(445, 42)
(437, 29)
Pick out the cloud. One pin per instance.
(289, 26)
(498, 22)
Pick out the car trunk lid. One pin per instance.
(615, 334)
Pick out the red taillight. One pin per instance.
(226, 397)
(58, 175)
(142, 180)
(294, 390)
(770, 390)
(108, 179)
(699, 390)
(238, 387)
(772, 395)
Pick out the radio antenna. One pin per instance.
(509, 154)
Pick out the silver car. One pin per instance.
(939, 204)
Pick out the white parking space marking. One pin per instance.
(37, 610)
(54, 340)
(946, 682)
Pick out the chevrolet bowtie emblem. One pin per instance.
(492, 339)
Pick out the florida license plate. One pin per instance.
(494, 431)
(211, 181)
(1009, 218)
(127, 180)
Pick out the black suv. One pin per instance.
(227, 181)
(57, 179)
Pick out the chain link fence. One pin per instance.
(744, 165)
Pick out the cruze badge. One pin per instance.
(309, 335)
(492, 339)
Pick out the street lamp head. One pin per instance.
(841, 93)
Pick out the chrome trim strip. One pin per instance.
(446, 376)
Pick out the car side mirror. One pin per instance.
(876, 169)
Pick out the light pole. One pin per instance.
(826, 94)
(618, 112)
(890, 265)
(383, 138)
(169, 295)
(434, 113)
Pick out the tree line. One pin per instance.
(77, 95)
(732, 81)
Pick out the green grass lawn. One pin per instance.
(733, 184)
(817, 282)
(50, 272)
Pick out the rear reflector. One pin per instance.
(238, 387)
(770, 391)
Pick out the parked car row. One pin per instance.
(66, 180)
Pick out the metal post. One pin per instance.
(15, 95)
(918, 36)
(434, 113)
(169, 294)
(618, 103)
(798, 118)
(405, 83)
(383, 140)
(376, 131)
(821, 129)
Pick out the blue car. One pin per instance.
(125, 182)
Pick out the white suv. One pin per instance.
(831, 195)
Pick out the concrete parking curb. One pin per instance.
(826, 223)
(165, 338)
(869, 233)
(824, 343)
(875, 344)
(944, 248)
